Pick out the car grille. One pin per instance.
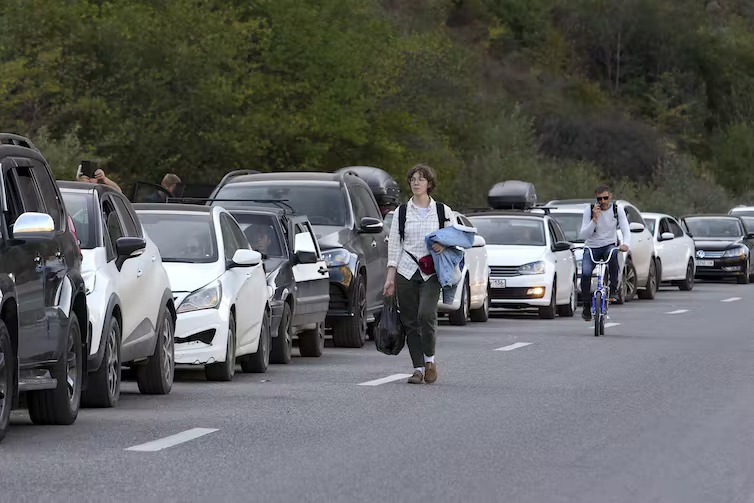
(509, 293)
(504, 271)
(711, 254)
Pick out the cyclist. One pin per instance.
(599, 230)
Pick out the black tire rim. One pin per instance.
(113, 362)
(71, 369)
(168, 349)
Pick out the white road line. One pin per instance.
(514, 346)
(732, 299)
(377, 382)
(678, 311)
(178, 438)
(608, 325)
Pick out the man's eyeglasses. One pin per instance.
(603, 198)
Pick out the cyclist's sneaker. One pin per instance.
(613, 295)
(586, 313)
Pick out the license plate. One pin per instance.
(705, 263)
(497, 283)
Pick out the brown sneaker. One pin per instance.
(417, 378)
(430, 370)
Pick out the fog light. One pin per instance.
(536, 292)
(732, 268)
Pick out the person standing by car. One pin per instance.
(599, 230)
(99, 177)
(169, 182)
(418, 288)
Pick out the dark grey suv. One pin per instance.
(350, 231)
(43, 316)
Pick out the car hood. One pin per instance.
(331, 236)
(717, 244)
(513, 255)
(187, 277)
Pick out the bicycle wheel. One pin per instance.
(599, 322)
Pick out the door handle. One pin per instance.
(58, 254)
(154, 258)
(374, 243)
(322, 270)
(139, 273)
(387, 239)
(38, 259)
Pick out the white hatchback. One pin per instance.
(675, 250)
(219, 285)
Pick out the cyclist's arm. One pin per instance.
(587, 224)
(625, 229)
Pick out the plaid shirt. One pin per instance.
(417, 227)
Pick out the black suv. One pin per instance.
(350, 230)
(43, 315)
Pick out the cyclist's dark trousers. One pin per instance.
(587, 267)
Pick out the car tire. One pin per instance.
(744, 280)
(568, 310)
(627, 289)
(548, 313)
(460, 316)
(649, 292)
(61, 404)
(352, 332)
(311, 343)
(156, 376)
(688, 282)
(7, 379)
(482, 314)
(282, 345)
(259, 362)
(103, 386)
(224, 371)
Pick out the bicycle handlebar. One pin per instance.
(609, 255)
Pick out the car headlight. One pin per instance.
(207, 297)
(90, 278)
(532, 268)
(738, 251)
(337, 257)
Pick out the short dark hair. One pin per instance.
(601, 188)
(425, 171)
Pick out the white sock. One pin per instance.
(429, 359)
(420, 369)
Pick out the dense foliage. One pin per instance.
(654, 96)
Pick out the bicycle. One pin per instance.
(600, 297)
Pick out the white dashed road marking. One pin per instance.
(178, 438)
(732, 299)
(514, 346)
(394, 377)
(678, 311)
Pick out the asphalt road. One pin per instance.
(659, 409)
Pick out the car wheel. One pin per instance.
(224, 371)
(103, 386)
(744, 280)
(156, 376)
(688, 282)
(569, 309)
(627, 289)
(311, 343)
(61, 404)
(460, 316)
(482, 314)
(259, 362)
(7, 379)
(548, 313)
(352, 332)
(651, 288)
(282, 345)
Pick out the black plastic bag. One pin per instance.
(389, 336)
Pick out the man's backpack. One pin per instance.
(402, 218)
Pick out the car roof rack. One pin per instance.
(238, 172)
(17, 140)
(280, 203)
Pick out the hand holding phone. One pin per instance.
(595, 213)
(88, 168)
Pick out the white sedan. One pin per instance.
(219, 285)
(675, 249)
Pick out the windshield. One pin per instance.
(510, 231)
(260, 231)
(570, 223)
(748, 222)
(714, 227)
(324, 204)
(650, 223)
(182, 238)
(80, 207)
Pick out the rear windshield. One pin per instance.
(714, 227)
(324, 204)
(510, 231)
(261, 232)
(182, 238)
(80, 207)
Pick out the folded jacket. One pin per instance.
(447, 263)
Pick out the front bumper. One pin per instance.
(201, 337)
(521, 292)
(721, 267)
(341, 292)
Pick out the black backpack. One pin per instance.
(402, 217)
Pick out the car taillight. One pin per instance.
(72, 226)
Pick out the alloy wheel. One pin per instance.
(166, 339)
(113, 365)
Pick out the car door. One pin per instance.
(642, 244)
(372, 245)
(685, 245)
(678, 249)
(476, 261)
(27, 265)
(563, 262)
(311, 275)
(254, 291)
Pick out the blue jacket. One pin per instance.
(447, 263)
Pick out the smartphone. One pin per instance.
(88, 168)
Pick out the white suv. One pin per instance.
(131, 311)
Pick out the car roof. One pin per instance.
(288, 176)
(175, 207)
(649, 214)
(504, 213)
(257, 210)
(711, 215)
(100, 188)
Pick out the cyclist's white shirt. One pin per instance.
(604, 232)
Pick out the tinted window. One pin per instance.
(510, 231)
(366, 200)
(182, 238)
(113, 226)
(749, 223)
(570, 224)
(261, 233)
(128, 216)
(324, 204)
(80, 207)
(633, 215)
(27, 189)
(49, 193)
(675, 228)
(241, 240)
(705, 227)
(229, 243)
(359, 210)
(558, 232)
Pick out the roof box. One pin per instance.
(386, 190)
(512, 194)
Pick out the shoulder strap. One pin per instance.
(402, 221)
(441, 214)
(615, 214)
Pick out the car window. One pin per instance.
(748, 222)
(127, 215)
(242, 242)
(188, 237)
(13, 197)
(570, 224)
(260, 231)
(650, 223)
(112, 224)
(359, 210)
(463, 220)
(81, 208)
(229, 243)
(27, 189)
(49, 193)
(511, 231)
(559, 236)
(664, 227)
(675, 228)
(714, 227)
(367, 202)
(633, 215)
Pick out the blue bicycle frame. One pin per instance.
(600, 298)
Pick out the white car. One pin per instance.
(640, 270)
(219, 285)
(131, 310)
(531, 262)
(675, 250)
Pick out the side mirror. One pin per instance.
(666, 236)
(479, 241)
(750, 235)
(245, 258)
(306, 257)
(561, 246)
(369, 225)
(636, 227)
(130, 246)
(33, 226)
